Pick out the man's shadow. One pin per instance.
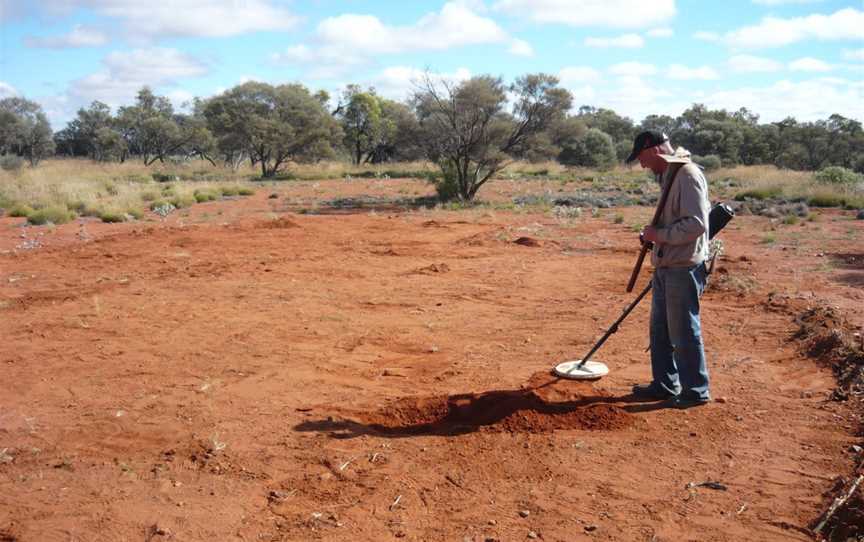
(463, 413)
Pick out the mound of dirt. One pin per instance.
(828, 337)
(527, 242)
(432, 269)
(545, 405)
(278, 224)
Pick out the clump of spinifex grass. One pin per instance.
(771, 183)
(58, 190)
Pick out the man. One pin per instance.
(678, 368)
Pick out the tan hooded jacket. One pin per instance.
(683, 227)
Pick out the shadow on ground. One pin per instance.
(513, 411)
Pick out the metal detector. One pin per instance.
(585, 369)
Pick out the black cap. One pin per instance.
(646, 140)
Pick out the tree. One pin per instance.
(108, 145)
(595, 149)
(27, 132)
(274, 124)
(470, 135)
(400, 134)
(361, 119)
(609, 122)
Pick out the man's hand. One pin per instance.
(649, 235)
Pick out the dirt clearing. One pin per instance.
(248, 373)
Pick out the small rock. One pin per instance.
(860, 215)
(721, 400)
(524, 513)
(160, 530)
(857, 449)
(492, 522)
(274, 195)
(693, 433)
(532, 535)
(590, 528)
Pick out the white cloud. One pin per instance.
(521, 48)
(810, 64)
(453, 26)
(805, 100)
(126, 72)
(205, 18)
(638, 69)
(660, 33)
(7, 90)
(681, 72)
(706, 36)
(753, 64)
(399, 82)
(607, 13)
(845, 24)
(781, 2)
(633, 96)
(350, 39)
(626, 41)
(79, 36)
(578, 74)
(857, 54)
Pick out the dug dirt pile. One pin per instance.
(828, 337)
(543, 405)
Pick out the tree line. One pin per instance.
(471, 129)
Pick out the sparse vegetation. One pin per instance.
(54, 214)
(86, 188)
(837, 175)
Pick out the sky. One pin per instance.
(778, 58)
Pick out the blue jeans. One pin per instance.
(677, 354)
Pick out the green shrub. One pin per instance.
(55, 214)
(21, 211)
(149, 195)
(245, 191)
(790, 220)
(135, 213)
(445, 181)
(182, 201)
(826, 199)
(202, 196)
(164, 177)
(112, 216)
(136, 178)
(229, 191)
(619, 218)
(10, 162)
(709, 162)
(838, 175)
(765, 192)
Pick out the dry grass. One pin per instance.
(112, 190)
(764, 182)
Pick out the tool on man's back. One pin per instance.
(646, 245)
(584, 369)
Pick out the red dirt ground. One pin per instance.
(226, 376)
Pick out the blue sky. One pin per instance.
(803, 58)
